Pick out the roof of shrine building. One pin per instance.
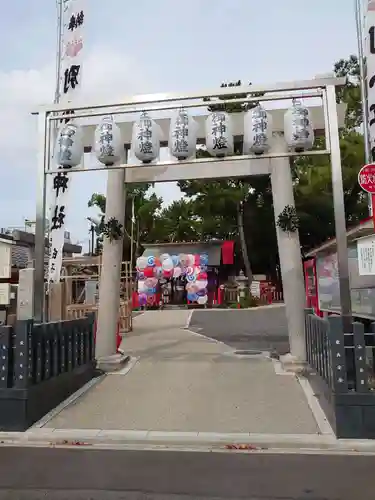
(361, 230)
(23, 247)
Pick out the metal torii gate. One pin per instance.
(275, 164)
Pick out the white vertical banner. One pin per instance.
(70, 83)
(72, 50)
(369, 56)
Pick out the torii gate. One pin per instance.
(327, 117)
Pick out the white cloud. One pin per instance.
(107, 74)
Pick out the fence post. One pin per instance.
(55, 349)
(23, 354)
(62, 347)
(372, 329)
(361, 381)
(92, 321)
(308, 336)
(338, 358)
(46, 344)
(39, 354)
(6, 349)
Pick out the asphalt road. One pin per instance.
(77, 474)
(263, 329)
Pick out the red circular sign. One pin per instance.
(366, 178)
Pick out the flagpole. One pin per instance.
(366, 131)
(60, 22)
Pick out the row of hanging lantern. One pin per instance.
(108, 147)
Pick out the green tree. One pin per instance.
(178, 222)
(351, 92)
(146, 205)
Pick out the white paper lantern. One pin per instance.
(219, 134)
(108, 144)
(69, 146)
(146, 139)
(202, 299)
(298, 128)
(167, 264)
(257, 131)
(182, 135)
(141, 263)
(164, 256)
(201, 284)
(142, 287)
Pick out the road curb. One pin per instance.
(193, 440)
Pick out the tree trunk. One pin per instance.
(245, 254)
(137, 242)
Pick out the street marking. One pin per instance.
(209, 339)
(189, 319)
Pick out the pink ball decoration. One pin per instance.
(177, 272)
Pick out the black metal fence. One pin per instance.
(41, 365)
(342, 375)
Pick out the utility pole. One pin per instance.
(59, 45)
(363, 86)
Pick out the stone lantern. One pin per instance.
(242, 282)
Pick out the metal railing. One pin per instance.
(33, 353)
(345, 361)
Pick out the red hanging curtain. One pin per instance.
(227, 252)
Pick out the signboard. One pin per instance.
(366, 256)
(366, 178)
(5, 260)
(25, 295)
(328, 282)
(4, 294)
(255, 289)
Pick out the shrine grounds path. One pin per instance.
(181, 381)
(263, 328)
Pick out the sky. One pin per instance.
(146, 46)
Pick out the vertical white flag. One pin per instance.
(70, 83)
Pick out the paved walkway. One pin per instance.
(262, 328)
(185, 382)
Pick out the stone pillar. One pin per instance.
(110, 277)
(290, 258)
